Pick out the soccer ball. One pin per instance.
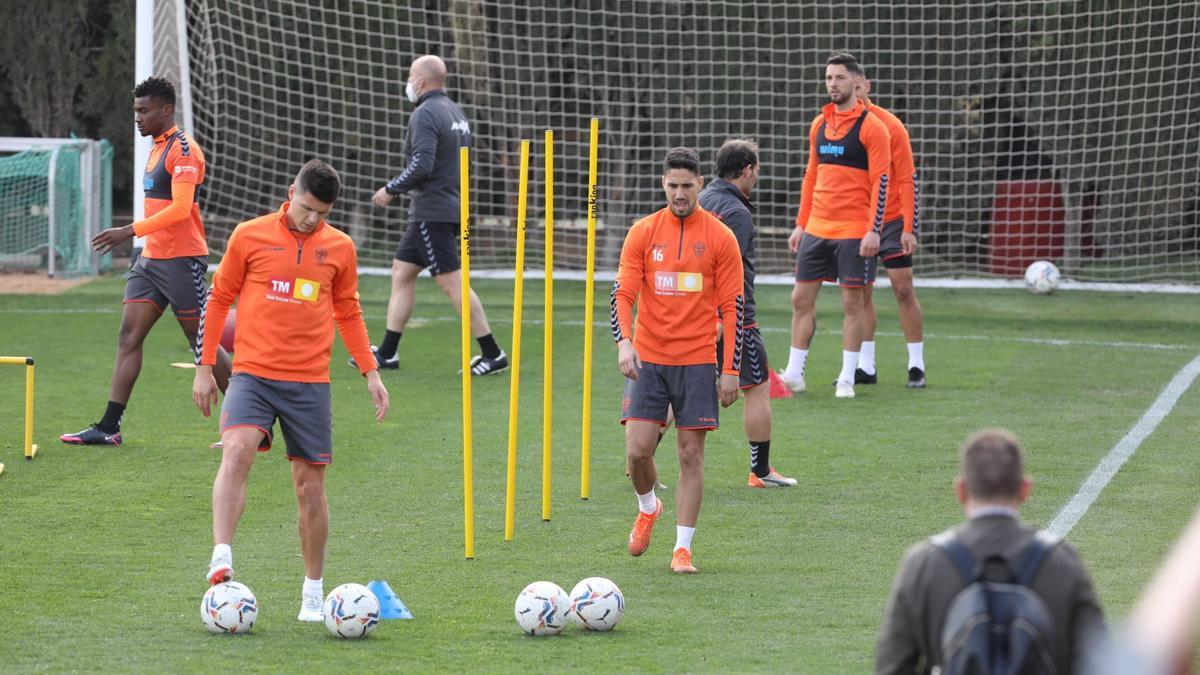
(596, 604)
(541, 609)
(351, 611)
(229, 608)
(1042, 277)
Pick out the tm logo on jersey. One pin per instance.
(678, 283)
(293, 290)
(831, 149)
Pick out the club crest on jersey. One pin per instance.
(698, 249)
(321, 254)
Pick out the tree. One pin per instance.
(45, 74)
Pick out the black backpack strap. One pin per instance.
(1027, 566)
(958, 554)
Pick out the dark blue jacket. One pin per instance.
(436, 130)
(726, 201)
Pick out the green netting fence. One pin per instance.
(54, 196)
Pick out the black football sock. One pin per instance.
(487, 343)
(760, 458)
(391, 340)
(111, 422)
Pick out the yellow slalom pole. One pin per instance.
(548, 358)
(514, 380)
(588, 305)
(464, 186)
(30, 448)
(27, 361)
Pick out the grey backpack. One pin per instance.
(997, 625)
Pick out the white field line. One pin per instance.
(418, 321)
(1124, 449)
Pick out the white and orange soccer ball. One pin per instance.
(229, 608)
(541, 608)
(1042, 277)
(596, 604)
(351, 611)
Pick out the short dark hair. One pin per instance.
(319, 180)
(734, 156)
(682, 158)
(846, 59)
(993, 464)
(155, 87)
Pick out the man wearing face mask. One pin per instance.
(436, 131)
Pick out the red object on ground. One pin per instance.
(778, 388)
(230, 329)
(1028, 222)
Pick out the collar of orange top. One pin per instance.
(696, 214)
(837, 119)
(283, 222)
(162, 138)
(830, 110)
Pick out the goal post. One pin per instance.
(1041, 130)
(55, 195)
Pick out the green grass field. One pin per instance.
(103, 550)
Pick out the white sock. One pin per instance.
(222, 553)
(916, 355)
(314, 587)
(647, 503)
(849, 363)
(866, 357)
(797, 360)
(683, 537)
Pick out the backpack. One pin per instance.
(997, 627)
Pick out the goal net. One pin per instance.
(1058, 130)
(55, 194)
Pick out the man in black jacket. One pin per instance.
(991, 487)
(728, 198)
(436, 131)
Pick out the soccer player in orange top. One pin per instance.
(171, 269)
(841, 215)
(896, 247)
(293, 276)
(680, 266)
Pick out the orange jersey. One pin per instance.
(680, 273)
(901, 202)
(290, 288)
(838, 200)
(177, 161)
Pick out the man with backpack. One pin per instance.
(991, 595)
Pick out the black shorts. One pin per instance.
(690, 391)
(833, 260)
(755, 369)
(304, 411)
(890, 249)
(431, 245)
(178, 282)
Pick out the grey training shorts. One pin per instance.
(303, 409)
(837, 260)
(179, 282)
(890, 248)
(690, 391)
